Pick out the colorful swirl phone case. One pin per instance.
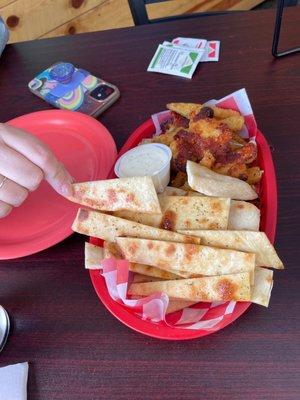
(67, 87)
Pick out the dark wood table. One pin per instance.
(75, 347)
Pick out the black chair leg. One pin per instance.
(138, 12)
(280, 7)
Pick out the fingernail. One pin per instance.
(66, 190)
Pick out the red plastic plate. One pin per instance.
(87, 149)
(268, 200)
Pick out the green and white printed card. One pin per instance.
(173, 60)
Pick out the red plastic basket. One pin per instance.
(268, 206)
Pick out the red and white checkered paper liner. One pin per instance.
(202, 316)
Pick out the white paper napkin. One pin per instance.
(13, 382)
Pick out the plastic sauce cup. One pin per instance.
(151, 159)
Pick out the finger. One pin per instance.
(12, 193)
(5, 209)
(57, 176)
(36, 151)
(19, 169)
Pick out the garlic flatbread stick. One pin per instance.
(210, 288)
(139, 278)
(211, 183)
(174, 304)
(192, 193)
(108, 227)
(263, 283)
(195, 259)
(260, 292)
(243, 216)
(92, 256)
(184, 212)
(156, 272)
(173, 191)
(112, 250)
(136, 194)
(178, 304)
(250, 242)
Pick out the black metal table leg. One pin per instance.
(276, 37)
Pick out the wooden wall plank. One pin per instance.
(116, 14)
(4, 3)
(178, 7)
(111, 14)
(246, 5)
(36, 17)
(31, 19)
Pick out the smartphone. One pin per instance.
(64, 86)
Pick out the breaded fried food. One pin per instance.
(186, 187)
(179, 180)
(237, 141)
(185, 146)
(166, 138)
(213, 112)
(246, 154)
(241, 155)
(169, 128)
(179, 121)
(222, 113)
(185, 109)
(208, 159)
(251, 175)
(208, 135)
(234, 123)
(175, 120)
(254, 175)
(194, 110)
(210, 128)
(233, 119)
(231, 169)
(203, 135)
(209, 143)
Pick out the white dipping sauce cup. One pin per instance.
(137, 162)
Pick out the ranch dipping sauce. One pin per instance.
(146, 161)
(151, 159)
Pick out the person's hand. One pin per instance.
(24, 163)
